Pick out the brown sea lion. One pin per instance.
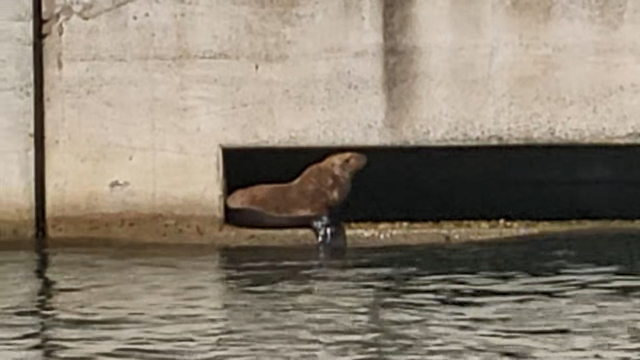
(311, 196)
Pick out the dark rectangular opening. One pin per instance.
(551, 182)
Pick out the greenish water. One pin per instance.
(569, 296)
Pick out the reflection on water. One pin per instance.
(571, 296)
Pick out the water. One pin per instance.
(571, 296)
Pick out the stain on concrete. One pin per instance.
(467, 18)
(354, 9)
(538, 11)
(469, 27)
(400, 60)
(59, 61)
(135, 227)
(115, 184)
(48, 9)
(266, 31)
(183, 23)
(17, 230)
(267, 4)
(90, 9)
(608, 13)
(55, 15)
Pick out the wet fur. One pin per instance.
(321, 187)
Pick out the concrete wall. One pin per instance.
(513, 71)
(16, 120)
(140, 98)
(141, 94)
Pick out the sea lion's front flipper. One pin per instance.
(331, 237)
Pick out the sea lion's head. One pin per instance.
(346, 164)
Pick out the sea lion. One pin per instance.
(307, 201)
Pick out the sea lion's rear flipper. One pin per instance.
(331, 237)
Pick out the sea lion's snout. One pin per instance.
(349, 162)
(357, 161)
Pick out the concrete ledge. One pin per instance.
(16, 230)
(140, 229)
(136, 227)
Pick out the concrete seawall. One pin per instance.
(142, 109)
(16, 121)
(141, 95)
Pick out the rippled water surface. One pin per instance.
(571, 296)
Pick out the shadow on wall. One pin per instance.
(466, 183)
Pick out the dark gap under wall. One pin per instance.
(466, 183)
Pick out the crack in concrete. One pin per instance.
(56, 12)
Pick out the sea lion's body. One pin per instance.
(313, 194)
(307, 201)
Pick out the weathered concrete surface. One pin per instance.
(512, 71)
(141, 94)
(154, 232)
(16, 121)
(140, 97)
